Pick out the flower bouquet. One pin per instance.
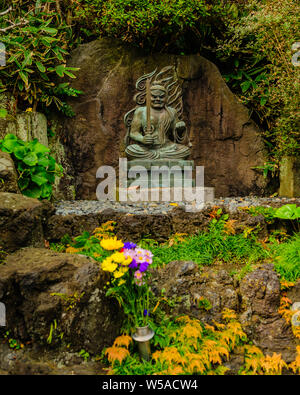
(128, 266)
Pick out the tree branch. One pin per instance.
(13, 25)
(6, 12)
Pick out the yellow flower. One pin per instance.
(121, 282)
(120, 273)
(118, 257)
(127, 261)
(29, 109)
(108, 266)
(111, 244)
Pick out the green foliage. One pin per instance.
(287, 258)
(288, 211)
(256, 52)
(162, 25)
(37, 40)
(204, 304)
(36, 168)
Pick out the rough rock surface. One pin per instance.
(35, 361)
(8, 174)
(260, 300)
(224, 138)
(256, 300)
(189, 285)
(27, 280)
(21, 221)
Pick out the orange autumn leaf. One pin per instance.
(273, 364)
(171, 354)
(123, 340)
(209, 327)
(191, 331)
(295, 365)
(209, 344)
(253, 363)
(229, 227)
(228, 314)
(174, 370)
(116, 354)
(196, 366)
(156, 355)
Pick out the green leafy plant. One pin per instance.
(35, 166)
(84, 354)
(268, 168)
(288, 211)
(173, 25)
(13, 343)
(204, 304)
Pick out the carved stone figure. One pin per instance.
(155, 130)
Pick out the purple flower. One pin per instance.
(133, 264)
(146, 313)
(144, 266)
(129, 245)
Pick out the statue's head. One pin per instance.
(158, 96)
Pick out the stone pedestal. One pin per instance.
(160, 173)
(193, 195)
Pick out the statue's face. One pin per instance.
(158, 99)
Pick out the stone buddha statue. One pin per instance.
(155, 130)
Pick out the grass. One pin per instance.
(206, 248)
(287, 258)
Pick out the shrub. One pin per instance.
(36, 40)
(161, 25)
(257, 54)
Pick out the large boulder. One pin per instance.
(224, 138)
(8, 174)
(260, 301)
(21, 221)
(48, 294)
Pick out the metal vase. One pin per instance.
(142, 336)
